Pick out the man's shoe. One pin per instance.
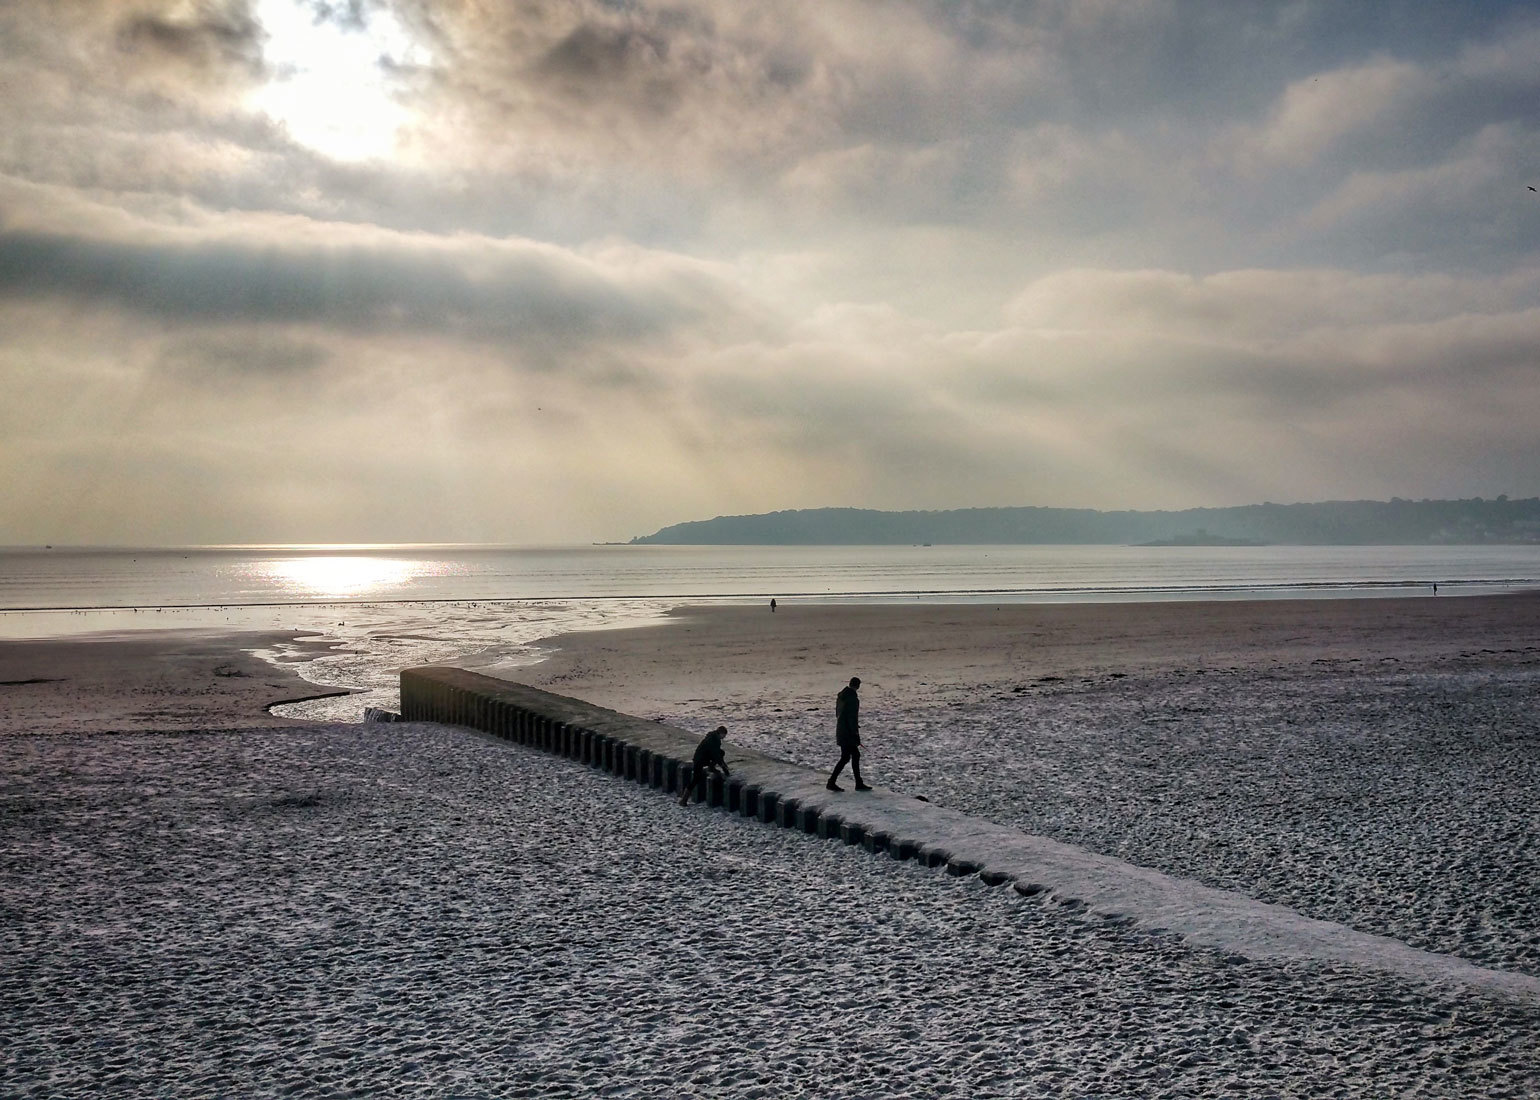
(833, 786)
(862, 787)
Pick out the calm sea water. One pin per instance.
(385, 608)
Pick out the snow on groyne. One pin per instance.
(779, 792)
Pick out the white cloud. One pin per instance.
(867, 178)
(1467, 177)
(1317, 112)
(1511, 57)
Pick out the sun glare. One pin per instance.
(341, 576)
(330, 87)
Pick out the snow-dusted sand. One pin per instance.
(420, 910)
(415, 910)
(1370, 762)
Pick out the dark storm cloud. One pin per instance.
(490, 294)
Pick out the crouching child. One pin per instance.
(708, 757)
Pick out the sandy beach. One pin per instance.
(1373, 762)
(200, 899)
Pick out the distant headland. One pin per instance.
(1394, 522)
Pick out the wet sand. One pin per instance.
(155, 680)
(709, 654)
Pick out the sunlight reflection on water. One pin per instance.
(346, 575)
(380, 609)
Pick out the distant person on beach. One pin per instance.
(772, 605)
(708, 757)
(847, 734)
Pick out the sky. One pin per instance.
(534, 272)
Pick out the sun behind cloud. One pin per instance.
(331, 85)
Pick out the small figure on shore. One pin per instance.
(708, 757)
(847, 734)
(1435, 588)
(772, 605)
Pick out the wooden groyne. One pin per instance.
(658, 755)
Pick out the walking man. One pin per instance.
(708, 756)
(847, 734)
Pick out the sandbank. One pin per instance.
(152, 680)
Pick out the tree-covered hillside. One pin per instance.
(1347, 522)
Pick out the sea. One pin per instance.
(384, 608)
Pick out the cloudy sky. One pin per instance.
(542, 271)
